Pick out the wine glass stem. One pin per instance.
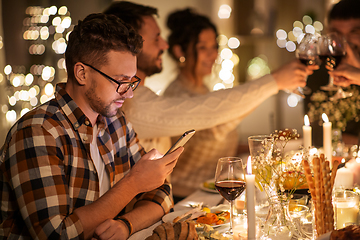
(231, 216)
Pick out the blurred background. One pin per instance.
(256, 36)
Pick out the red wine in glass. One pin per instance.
(230, 190)
(307, 54)
(230, 182)
(307, 60)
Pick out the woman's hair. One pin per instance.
(185, 26)
(95, 36)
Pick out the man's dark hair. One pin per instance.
(345, 10)
(131, 13)
(95, 36)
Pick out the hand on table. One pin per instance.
(111, 229)
(293, 74)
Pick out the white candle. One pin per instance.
(344, 178)
(307, 133)
(327, 138)
(250, 201)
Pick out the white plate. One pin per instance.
(208, 189)
(171, 216)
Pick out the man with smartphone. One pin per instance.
(72, 168)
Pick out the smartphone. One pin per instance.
(181, 141)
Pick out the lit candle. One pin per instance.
(307, 133)
(344, 178)
(250, 201)
(327, 138)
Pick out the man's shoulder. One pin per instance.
(42, 116)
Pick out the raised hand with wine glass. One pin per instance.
(331, 50)
(230, 182)
(307, 53)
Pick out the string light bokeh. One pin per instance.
(46, 31)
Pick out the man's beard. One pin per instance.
(147, 65)
(96, 104)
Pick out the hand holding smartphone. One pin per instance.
(181, 141)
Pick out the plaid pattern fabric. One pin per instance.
(198, 161)
(46, 170)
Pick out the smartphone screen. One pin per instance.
(181, 141)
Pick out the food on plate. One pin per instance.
(209, 185)
(205, 215)
(177, 231)
(207, 232)
(217, 218)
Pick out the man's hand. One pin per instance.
(111, 229)
(152, 169)
(345, 75)
(292, 75)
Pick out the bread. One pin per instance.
(181, 230)
(321, 183)
(178, 231)
(349, 232)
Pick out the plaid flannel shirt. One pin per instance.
(46, 170)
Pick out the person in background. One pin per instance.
(72, 168)
(157, 118)
(344, 19)
(192, 43)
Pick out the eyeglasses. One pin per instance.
(123, 87)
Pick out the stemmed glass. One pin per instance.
(331, 49)
(230, 182)
(307, 53)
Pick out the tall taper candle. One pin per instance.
(327, 138)
(307, 133)
(250, 201)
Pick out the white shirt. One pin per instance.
(104, 180)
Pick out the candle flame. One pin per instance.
(306, 120)
(325, 117)
(248, 167)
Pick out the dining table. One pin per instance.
(207, 198)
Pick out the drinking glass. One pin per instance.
(307, 53)
(230, 182)
(331, 49)
(346, 208)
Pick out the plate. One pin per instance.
(171, 216)
(207, 189)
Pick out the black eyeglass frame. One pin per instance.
(132, 85)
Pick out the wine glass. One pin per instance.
(307, 53)
(331, 49)
(230, 182)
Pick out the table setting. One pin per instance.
(272, 193)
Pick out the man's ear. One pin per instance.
(178, 52)
(79, 73)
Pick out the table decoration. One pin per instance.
(339, 111)
(250, 201)
(346, 208)
(320, 179)
(272, 168)
(327, 138)
(307, 131)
